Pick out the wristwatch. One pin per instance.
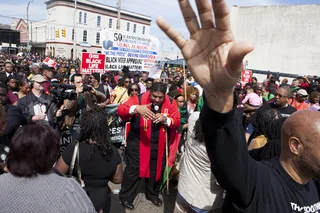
(165, 118)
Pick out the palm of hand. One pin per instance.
(212, 55)
(206, 55)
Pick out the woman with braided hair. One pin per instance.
(263, 122)
(272, 148)
(100, 161)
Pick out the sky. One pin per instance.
(169, 9)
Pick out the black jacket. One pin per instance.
(13, 122)
(27, 104)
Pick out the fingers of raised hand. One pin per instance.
(221, 15)
(171, 33)
(205, 14)
(189, 16)
(235, 58)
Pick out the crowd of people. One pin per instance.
(231, 147)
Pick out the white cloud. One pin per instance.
(169, 9)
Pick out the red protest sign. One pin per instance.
(92, 62)
(50, 62)
(246, 76)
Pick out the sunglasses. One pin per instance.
(127, 82)
(134, 89)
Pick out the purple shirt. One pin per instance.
(12, 98)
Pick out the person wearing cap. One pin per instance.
(37, 107)
(300, 101)
(47, 73)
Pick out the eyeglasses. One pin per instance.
(127, 82)
(134, 89)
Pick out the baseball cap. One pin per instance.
(302, 92)
(38, 78)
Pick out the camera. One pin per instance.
(61, 92)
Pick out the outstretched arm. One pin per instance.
(216, 61)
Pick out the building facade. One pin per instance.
(56, 35)
(286, 38)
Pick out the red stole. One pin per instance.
(145, 137)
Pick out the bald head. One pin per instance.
(300, 143)
(304, 125)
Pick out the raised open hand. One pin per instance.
(212, 55)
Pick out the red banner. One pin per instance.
(92, 62)
(50, 62)
(246, 77)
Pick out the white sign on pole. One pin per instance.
(139, 52)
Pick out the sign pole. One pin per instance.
(185, 81)
(74, 32)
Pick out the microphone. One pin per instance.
(156, 108)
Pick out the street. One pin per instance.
(141, 204)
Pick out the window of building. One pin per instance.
(98, 21)
(98, 38)
(84, 37)
(85, 18)
(134, 28)
(72, 34)
(128, 26)
(80, 17)
(143, 29)
(110, 22)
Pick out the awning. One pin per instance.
(178, 62)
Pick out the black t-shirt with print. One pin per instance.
(284, 111)
(252, 186)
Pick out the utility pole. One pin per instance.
(28, 24)
(119, 14)
(74, 31)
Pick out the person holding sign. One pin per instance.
(151, 113)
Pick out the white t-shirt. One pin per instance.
(197, 185)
